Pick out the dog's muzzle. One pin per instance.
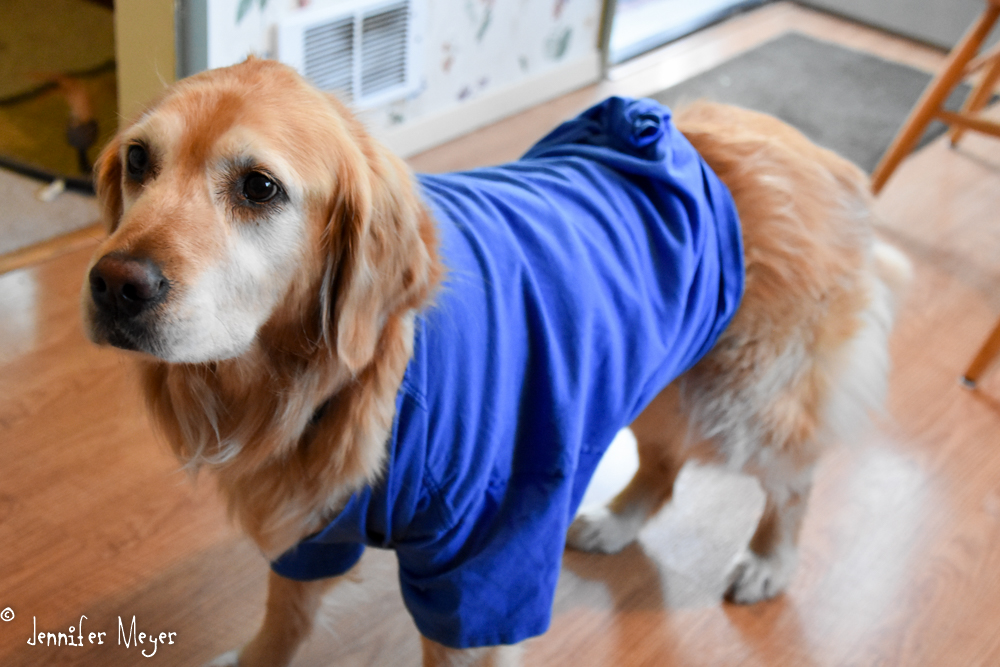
(124, 289)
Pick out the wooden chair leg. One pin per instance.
(987, 353)
(934, 96)
(979, 96)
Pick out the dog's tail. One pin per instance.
(860, 371)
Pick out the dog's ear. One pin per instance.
(387, 254)
(108, 183)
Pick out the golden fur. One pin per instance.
(266, 323)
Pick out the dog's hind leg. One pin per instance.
(288, 620)
(661, 432)
(765, 569)
(829, 402)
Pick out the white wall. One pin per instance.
(482, 59)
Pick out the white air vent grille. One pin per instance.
(363, 51)
(383, 49)
(328, 51)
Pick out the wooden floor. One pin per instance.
(901, 548)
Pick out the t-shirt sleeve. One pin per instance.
(491, 578)
(308, 561)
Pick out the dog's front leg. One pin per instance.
(436, 655)
(288, 619)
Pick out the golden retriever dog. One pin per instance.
(268, 261)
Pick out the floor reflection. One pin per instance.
(18, 313)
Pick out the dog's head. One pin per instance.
(246, 205)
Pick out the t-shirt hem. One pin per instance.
(480, 640)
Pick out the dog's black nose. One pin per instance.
(124, 286)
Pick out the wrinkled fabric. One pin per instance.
(580, 281)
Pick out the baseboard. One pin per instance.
(425, 133)
(46, 250)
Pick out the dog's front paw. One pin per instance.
(601, 531)
(755, 577)
(228, 659)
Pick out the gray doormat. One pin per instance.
(25, 220)
(846, 100)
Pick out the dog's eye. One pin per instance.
(137, 162)
(259, 188)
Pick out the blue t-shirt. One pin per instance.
(580, 281)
